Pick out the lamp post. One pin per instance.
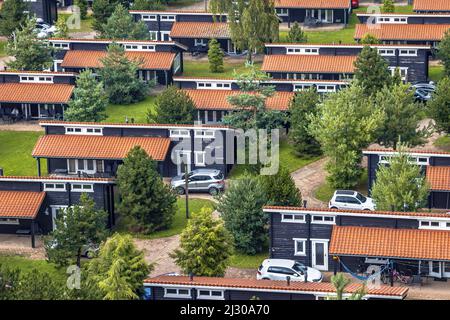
(186, 189)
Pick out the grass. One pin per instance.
(2, 48)
(435, 73)
(325, 191)
(15, 153)
(85, 25)
(243, 261)
(201, 69)
(27, 265)
(443, 143)
(137, 111)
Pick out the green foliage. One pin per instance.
(340, 282)
(147, 5)
(443, 52)
(296, 34)
(215, 56)
(12, 16)
(120, 25)
(146, 199)
(30, 53)
(280, 189)
(371, 71)
(119, 75)
(241, 209)
(101, 11)
(89, 100)
(439, 106)
(120, 269)
(402, 116)
(205, 246)
(62, 30)
(76, 227)
(401, 185)
(83, 5)
(370, 39)
(344, 125)
(388, 6)
(304, 103)
(173, 106)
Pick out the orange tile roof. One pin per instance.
(316, 4)
(237, 283)
(20, 204)
(208, 30)
(438, 178)
(390, 243)
(91, 59)
(55, 178)
(431, 5)
(35, 93)
(217, 99)
(98, 147)
(307, 63)
(409, 151)
(424, 32)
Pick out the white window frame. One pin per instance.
(84, 130)
(325, 88)
(210, 296)
(9, 221)
(386, 52)
(302, 87)
(293, 220)
(36, 79)
(90, 189)
(201, 163)
(305, 51)
(282, 12)
(139, 47)
(153, 35)
(205, 134)
(61, 45)
(48, 187)
(165, 17)
(407, 52)
(299, 252)
(323, 221)
(85, 162)
(179, 133)
(441, 225)
(403, 72)
(200, 42)
(149, 17)
(213, 85)
(177, 295)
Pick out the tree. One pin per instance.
(83, 5)
(241, 209)
(12, 16)
(388, 6)
(119, 75)
(101, 11)
(76, 227)
(280, 189)
(370, 39)
(8, 279)
(439, 106)
(371, 71)
(173, 106)
(89, 100)
(146, 200)
(147, 5)
(303, 103)
(205, 246)
(62, 30)
(120, 25)
(296, 34)
(30, 53)
(120, 269)
(443, 52)
(400, 186)
(340, 282)
(215, 56)
(345, 124)
(402, 116)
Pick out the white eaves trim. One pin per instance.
(356, 46)
(100, 125)
(412, 154)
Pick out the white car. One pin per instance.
(280, 269)
(353, 200)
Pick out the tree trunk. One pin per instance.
(79, 258)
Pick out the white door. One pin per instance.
(320, 254)
(56, 210)
(183, 157)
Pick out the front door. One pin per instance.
(56, 210)
(326, 16)
(320, 254)
(183, 157)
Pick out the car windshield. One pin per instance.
(361, 198)
(190, 174)
(299, 267)
(219, 176)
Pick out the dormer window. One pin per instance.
(36, 79)
(136, 47)
(60, 45)
(84, 130)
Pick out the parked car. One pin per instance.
(280, 269)
(44, 30)
(200, 180)
(422, 95)
(426, 86)
(348, 199)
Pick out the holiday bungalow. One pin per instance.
(97, 149)
(414, 34)
(412, 61)
(403, 18)
(323, 11)
(168, 287)
(29, 205)
(159, 60)
(435, 166)
(417, 243)
(26, 95)
(433, 6)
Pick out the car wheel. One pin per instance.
(334, 208)
(180, 190)
(213, 191)
(265, 278)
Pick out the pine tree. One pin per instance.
(120, 25)
(439, 106)
(119, 75)
(296, 34)
(89, 100)
(205, 246)
(215, 56)
(101, 11)
(371, 71)
(241, 209)
(147, 201)
(304, 103)
(30, 53)
(173, 106)
(388, 6)
(12, 16)
(280, 189)
(83, 5)
(400, 186)
(370, 39)
(62, 30)
(443, 52)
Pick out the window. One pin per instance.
(84, 130)
(421, 161)
(301, 87)
(430, 224)
(214, 85)
(200, 158)
(9, 221)
(295, 218)
(134, 47)
(83, 165)
(177, 293)
(148, 17)
(79, 187)
(322, 219)
(391, 20)
(44, 79)
(386, 52)
(282, 11)
(408, 53)
(210, 294)
(54, 187)
(300, 247)
(403, 72)
(62, 46)
(326, 88)
(204, 134)
(200, 42)
(312, 51)
(176, 133)
(167, 18)
(153, 35)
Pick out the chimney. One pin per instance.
(191, 276)
(304, 203)
(288, 279)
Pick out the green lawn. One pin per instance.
(85, 25)
(137, 111)
(443, 143)
(201, 69)
(15, 153)
(325, 191)
(2, 48)
(27, 265)
(435, 73)
(248, 262)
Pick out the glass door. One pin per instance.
(320, 254)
